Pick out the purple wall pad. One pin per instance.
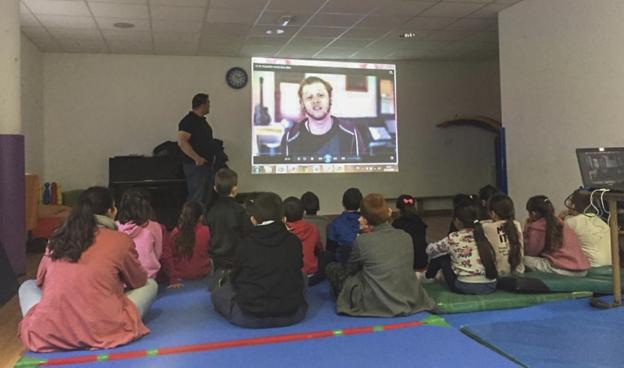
(13, 200)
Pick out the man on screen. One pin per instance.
(320, 133)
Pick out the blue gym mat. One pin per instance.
(586, 339)
(185, 316)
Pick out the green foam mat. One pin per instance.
(450, 302)
(598, 280)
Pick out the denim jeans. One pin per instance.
(199, 182)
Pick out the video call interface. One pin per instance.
(601, 167)
(311, 116)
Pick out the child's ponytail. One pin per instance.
(468, 215)
(543, 208)
(185, 240)
(503, 208)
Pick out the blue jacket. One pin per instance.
(342, 232)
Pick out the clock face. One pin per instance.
(236, 77)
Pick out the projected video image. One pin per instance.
(311, 116)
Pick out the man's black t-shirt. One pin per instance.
(201, 135)
(339, 140)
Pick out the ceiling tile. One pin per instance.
(61, 21)
(49, 7)
(109, 23)
(365, 33)
(489, 11)
(488, 37)
(139, 2)
(226, 29)
(231, 16)
(192, 3)
(27, 19)
(329, 32)
(172, 37)
(70, 45)
(335, 53)
(265, 41)
(238, 4)
(295, 6)
(452, 9)
(130, 47)
(428, 23)
(253, 50)
(71, 34)
(206, 42)
(446, 36)
(313, 43)
(273, 18)
(177, 13)
(119, 10)
(176, 26)
(176, 48)
(384, 21)
(128, 35)
(40, 37)
(334, 20)
(474, 24)
(351, 6)
(346, 43)
(409, 8)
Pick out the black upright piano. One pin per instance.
(161, 176)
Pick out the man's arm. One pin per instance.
(185, 146)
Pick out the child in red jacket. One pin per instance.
(185, 255)
(306, 232)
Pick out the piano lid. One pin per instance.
(144, 169)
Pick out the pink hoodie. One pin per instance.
(148, 240)
(568, 257)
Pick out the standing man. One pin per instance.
(196, 141)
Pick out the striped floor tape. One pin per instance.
(28, 362)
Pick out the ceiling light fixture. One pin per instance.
(407, 35)
(279, 31)
(285, 20)
(124, 25)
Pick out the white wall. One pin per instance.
(32, 105)
(562, 88)
(97, 106)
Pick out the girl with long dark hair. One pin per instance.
(505, 235)
(549, 244)
(185, 255)
(78, 299)
(465, 257)
(135, 218)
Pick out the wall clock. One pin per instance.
(236, 77)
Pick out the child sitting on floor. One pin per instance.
(411, 223)
(185, 255)
(345, 227)
(465, 257)
(549, 244)
(458, 200)
(593, 233)
(378, 279)
(133, 219)
(306, 232)
(229, 223)
(78, 300)
(311, 206)
(505, 235)
(266, 287)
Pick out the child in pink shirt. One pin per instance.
(133, 219)
(549, 244)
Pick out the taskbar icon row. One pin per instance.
(322, 168)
